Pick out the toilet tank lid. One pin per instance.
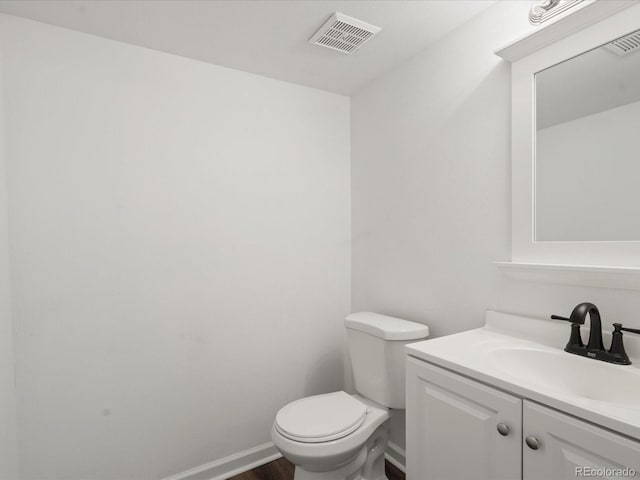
(385, 327)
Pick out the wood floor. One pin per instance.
(282, 469)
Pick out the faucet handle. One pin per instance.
(575, 340)
(617, 327)
(617, 345)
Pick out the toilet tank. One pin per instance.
(376, 349)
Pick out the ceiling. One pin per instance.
(267, 37)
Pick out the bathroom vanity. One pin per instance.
(507, 402)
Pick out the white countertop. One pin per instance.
(480, 354)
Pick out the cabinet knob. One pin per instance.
(532, 442)
(503, 429)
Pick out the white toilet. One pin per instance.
(337, 436)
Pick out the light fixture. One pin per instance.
(544, 10)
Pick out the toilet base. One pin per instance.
(367, 464)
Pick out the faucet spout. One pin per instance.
(579, 315)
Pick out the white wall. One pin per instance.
(587, 174)
(181, 253)
(431, 190)
(8, 434)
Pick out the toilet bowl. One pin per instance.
(339, 447)
(341, 436)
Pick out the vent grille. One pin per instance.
(343, 33)
(625, 45)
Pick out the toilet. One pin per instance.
(339, 436)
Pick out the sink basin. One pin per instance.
(571, 375)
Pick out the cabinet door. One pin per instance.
(569, 448)
(452, 427)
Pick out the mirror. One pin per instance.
(587, 146)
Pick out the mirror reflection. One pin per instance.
(587, 167)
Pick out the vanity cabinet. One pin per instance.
(568, 446)
(460, 429)
(452, 427)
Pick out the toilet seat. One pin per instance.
(321, 418)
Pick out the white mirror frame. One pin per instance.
(525, 249)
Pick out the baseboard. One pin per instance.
(232, 465)
(396, 456)
(254, 457)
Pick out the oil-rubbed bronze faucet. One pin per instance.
(594, 348)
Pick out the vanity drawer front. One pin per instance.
(569, 448)
(452, 427)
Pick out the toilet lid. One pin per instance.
(321, 418)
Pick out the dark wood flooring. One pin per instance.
(282, 469)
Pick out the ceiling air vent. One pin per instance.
(343, 33)
(625, 45)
